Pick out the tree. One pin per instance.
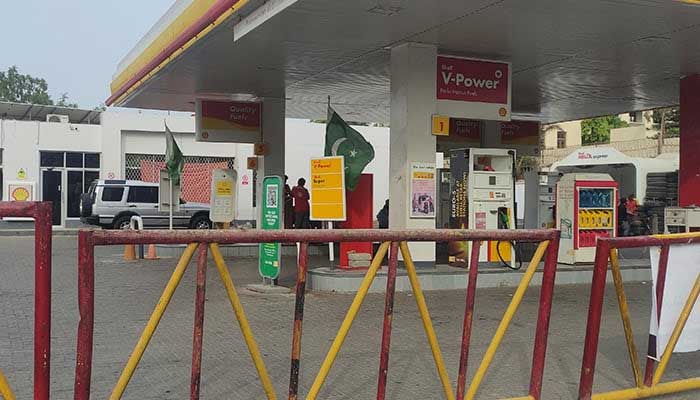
(524, 164)
(669, 120)
(21, 88)
(63, 101)
(597, 130)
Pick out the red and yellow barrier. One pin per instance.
(648, 385)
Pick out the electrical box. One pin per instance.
(223, 195)
(681, 219)
(586, 209)
(546, 198)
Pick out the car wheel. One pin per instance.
(122, 223)
(200, 222)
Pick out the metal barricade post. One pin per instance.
(42, 214)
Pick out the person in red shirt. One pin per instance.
(301, 205)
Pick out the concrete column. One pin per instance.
(689, 174)
(413, 101)
(273, 119)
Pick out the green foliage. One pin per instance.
(63, 101)
(672, 120)
(597, 130)
(524, 163)
(21, 88)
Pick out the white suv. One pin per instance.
(111, 204)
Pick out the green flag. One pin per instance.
(343, 140)
(174, 162)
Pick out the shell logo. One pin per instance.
(20, 194)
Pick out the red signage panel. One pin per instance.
(520, 132)
(465, 129)
(471, 80)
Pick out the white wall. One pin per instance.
(305, 140)
(23, 140)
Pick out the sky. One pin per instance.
(74, 44)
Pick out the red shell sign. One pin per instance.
(471, 80)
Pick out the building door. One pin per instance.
(51, 191)
(75, 190)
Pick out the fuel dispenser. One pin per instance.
(482, 192)
(491, 199)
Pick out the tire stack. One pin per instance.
(662, 192)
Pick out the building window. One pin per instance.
(52, 159)
(561, 139)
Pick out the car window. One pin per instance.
(112, 193)
(141, 194)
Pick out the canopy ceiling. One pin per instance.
(571, 59)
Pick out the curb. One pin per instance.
(30, 232)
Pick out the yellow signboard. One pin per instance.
(327, 189)
(224, 188)
(441, 125)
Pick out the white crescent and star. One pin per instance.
(336, 145)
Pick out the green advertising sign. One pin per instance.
(271, 218)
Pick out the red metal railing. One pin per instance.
(41, 212)
(647, 385)
(392, 241)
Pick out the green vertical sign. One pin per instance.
(271, 218)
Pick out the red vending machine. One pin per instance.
(586, 209)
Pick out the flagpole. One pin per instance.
(170, 202)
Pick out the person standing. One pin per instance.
(288, 205)
(383, 216)
(301, 205)
(622, 222)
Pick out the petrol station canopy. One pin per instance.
(570, 59)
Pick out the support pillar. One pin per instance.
(413, 102)
(273, 120)
(689, 174)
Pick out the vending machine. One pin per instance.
(586, 209)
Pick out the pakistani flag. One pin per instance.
(174, 162)
(342, 140)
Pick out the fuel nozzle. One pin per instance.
(503, 218)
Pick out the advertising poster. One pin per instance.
(271, 218)
(422, 190)
(682, 271)
(459, 174)
(227, 121)
(327, 189)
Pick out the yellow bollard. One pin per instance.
(5, 390)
